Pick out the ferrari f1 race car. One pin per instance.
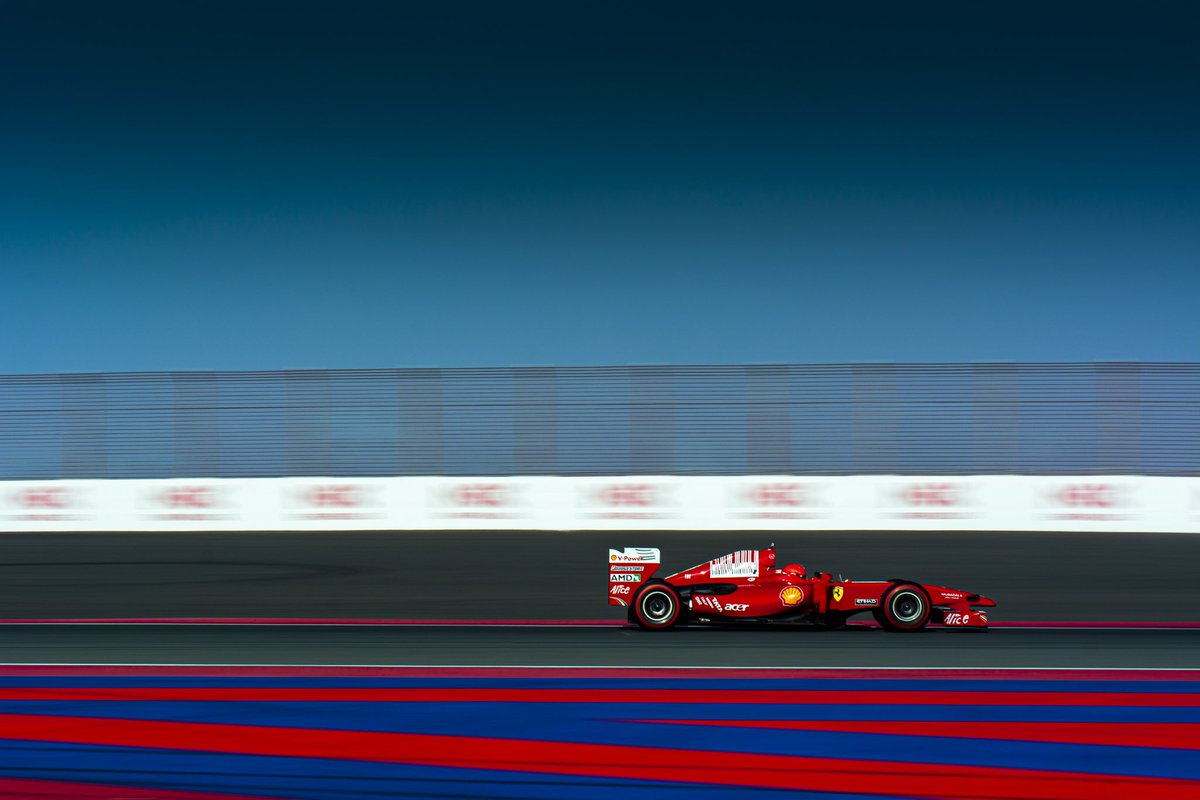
(746, 586)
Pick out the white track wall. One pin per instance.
(992, 503)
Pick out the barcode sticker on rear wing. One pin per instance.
(741, 564)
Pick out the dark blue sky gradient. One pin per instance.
(286, 185)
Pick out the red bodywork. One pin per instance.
(748, 585)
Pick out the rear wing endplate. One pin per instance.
(628, 569)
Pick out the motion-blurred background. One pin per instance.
(302, 267)
(764, 419)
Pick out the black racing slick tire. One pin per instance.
(905, 608)
(657, 606)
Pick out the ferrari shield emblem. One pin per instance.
(837, 593)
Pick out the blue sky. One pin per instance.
(270, 185)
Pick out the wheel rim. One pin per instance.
(658, 606)
(907, 607)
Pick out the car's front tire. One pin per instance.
(657, 606)
(905, 608)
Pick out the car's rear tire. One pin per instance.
(657, 606)
(905, 608)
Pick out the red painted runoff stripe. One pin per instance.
(49, 790)
(932, 697)
(1174, 735)
(931, 674)
(886, 778)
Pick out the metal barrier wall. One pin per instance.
(944, 419)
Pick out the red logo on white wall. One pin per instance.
(332, 501)
(48, 503)
(334, 496)
(933, 500)
(189, 497)
(478, 500)
(779, 495)
(43, 498)
(630, 500)
(777, 500)
(480, 495)
(1092, 500)
(1088, 495)
(931, 495)
(185, 502)
(637, 495)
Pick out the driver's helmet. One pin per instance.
(794, 569)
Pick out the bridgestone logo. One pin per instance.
(620, 568)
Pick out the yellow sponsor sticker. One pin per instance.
(837, 593)
(791, 595)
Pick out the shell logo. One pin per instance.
(612, 558)
(791, 595)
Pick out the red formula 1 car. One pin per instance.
(746, 586)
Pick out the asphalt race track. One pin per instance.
(550, 575)
(1105, 711)
(603, 646)
(489, 576)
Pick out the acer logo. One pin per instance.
(488, 495)
(931, 494)
(189, 497)
(779, 494)
(339, 496)
(1088, 495)
(628, 494)
(47, 497)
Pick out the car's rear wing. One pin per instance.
(628, 569)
